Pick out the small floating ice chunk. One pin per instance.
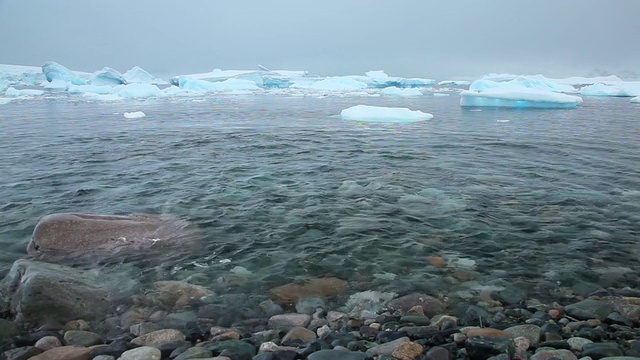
(517, 97)
(636, 100)
(5, 101)
(463, 263)
(383, 114)
(395, 91)
(224, 261)
(503, 120)
(440, 94)
(134, 115)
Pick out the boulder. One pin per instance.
(76, 235)
(35, 291)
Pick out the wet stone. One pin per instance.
(299, 333)
(337, 354)
(48, 342)
(141, 353)
(82, 338)
(22, 353)
(232, 348)
(600, 350)
(114, 349)
(553, 354)
(438, 353)
(289, 321)
(531, 332)
(577, 343)
(415, 319)
(143, 328)
(483, 347)
(158, 337)
(556, 344)
(430, 305)
(64, 353)
(387, 336)
(194, 353)
(407, 351)
(104, 357)
(589, 309)
(386, 348)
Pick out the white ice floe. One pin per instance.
(383, 114)
(440, 94)
(395, 91)
(134, 115)
(137, 75)
(628, 88)
(107, 76)
(579, 81)
(379, 79)
(13, 92)
(136, 91)
(455, 82)
(5, 101)
(518, 97)
(82, 89)
(229, 85)
(636, 100)
(20, 75)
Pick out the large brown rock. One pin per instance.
(65, 353)
(77, 235)
(430, 305)
(289, 294)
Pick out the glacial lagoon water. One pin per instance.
(546, 204)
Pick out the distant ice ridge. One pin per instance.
(630, 88)
(228, 85)
(454, 82)
(333, 83)
(518, 97)
(11, 75)
(383, 114)
(379, 79)
(13, 92)
(574, 81)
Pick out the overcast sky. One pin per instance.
(420, 38)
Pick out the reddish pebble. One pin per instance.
(554, 313)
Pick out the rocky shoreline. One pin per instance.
(53, 311)
(414, 326)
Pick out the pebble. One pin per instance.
(48, 342)
(554, 354)
(386, 348)
(141, 353)
(407, 351)
(299, 333)
(531, 332)
(194, 353)
(158, 337)
(289, 321)
(82, 338)
(65, 353)
(337, 354)
(577, 343)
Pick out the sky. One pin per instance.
(445, 39)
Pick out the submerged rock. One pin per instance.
(35, 291)
(75, 235)
(289, 294)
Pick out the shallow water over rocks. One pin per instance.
(283, 190)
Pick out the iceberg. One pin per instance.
(229, 85)
(636, 100)
(578, 81)
(383, 114)
(135, 91)
(631, 88)
(454, 82)
(333, 83)
(20, 75)
(13, 92)
(532, 82)
(216, 75)
(395, 91)
(53, 70)
(134, 115)
(81, 89)
(518, 97)
(57, 84)
(137, 75)
(379, 79)
(107, 76)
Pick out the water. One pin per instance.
(547, 203)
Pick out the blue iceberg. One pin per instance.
(109, 77)
(54, 71)
(518, 97)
